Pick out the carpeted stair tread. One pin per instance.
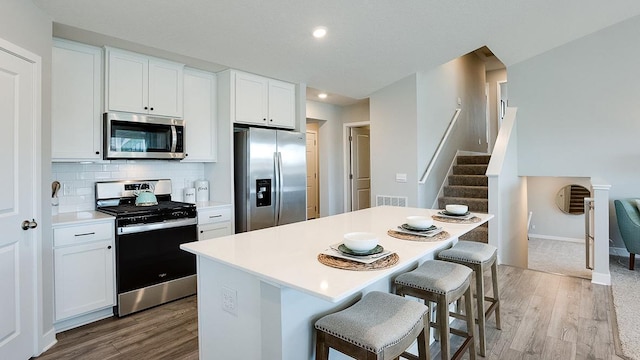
(473, 159)
(472, 169)
(469, 180)
(479, 234)
(477, 205)
(466, 191)
(468, 185)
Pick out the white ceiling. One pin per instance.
(370, 43)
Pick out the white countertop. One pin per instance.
(80, 217)
(287, 255)
(211, 204)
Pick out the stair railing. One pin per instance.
(444, 139)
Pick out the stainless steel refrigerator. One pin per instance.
(270, 178)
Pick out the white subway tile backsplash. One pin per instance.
(78, 180)
(102, 175)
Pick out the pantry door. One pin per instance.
(19, 114)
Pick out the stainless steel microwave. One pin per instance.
(133, 136)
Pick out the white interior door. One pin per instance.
(360, 169)
(312, 174)
(18, 184)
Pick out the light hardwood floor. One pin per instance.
(544, 316)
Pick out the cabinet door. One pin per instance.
(200, 116)
(165, 88)
(75, 95)
(251, 99)
(282, 104)
(212, 231)
(127, 82)
(84, 279)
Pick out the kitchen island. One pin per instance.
(260, 292)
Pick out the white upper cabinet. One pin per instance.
(251, 99)
(143, 85)
(263, 101)
(200, 115)
(76, 101)
(282, 104)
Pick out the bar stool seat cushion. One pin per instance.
(436, 276)
(379, 320)
(469, 251)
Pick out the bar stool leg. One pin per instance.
(322, 350)
(443, 326)
(496, 296)
(436, 332)
(471, 327)
(477, 269)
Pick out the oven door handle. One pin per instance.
(122, 230)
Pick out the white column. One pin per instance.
(600, 193)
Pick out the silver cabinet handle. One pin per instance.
(26, 225)
(215, 216)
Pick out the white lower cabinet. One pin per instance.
(212, 231)
(84, 274)
(214, 222)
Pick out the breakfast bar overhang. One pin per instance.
(260, 292)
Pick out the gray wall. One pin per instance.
(493, 77)
(408, 119)
(394, 147)
(578, 111)
(547, 221)
(331, 120)
(439, 91)
(23, 24)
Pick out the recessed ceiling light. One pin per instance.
(322, 95)
(319, 32)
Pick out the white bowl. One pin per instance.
(360, 241)
(457, 209)
(419, 222)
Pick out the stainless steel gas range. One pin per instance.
(150, 267)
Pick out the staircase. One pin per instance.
(468, 185)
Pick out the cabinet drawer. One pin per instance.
(210, 216)
(212, 231)
(82, 234)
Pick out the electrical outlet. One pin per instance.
(230, 300)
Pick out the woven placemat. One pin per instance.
(385, 262)
(404, 236)
(472, 220)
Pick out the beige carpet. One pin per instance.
(625, 286)
(558, 257)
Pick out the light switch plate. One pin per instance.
(401, 178)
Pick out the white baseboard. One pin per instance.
(48, 340)
(601, 279)
(558, 238)
(80, 320)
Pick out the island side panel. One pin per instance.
(222, 334)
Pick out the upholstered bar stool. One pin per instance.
(478, 257)
(442, 283)
(379, 326)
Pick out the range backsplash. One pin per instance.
(77, 192)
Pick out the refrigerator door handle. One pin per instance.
(279, 187)
(276, 191)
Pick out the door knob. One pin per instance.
(26, 225)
